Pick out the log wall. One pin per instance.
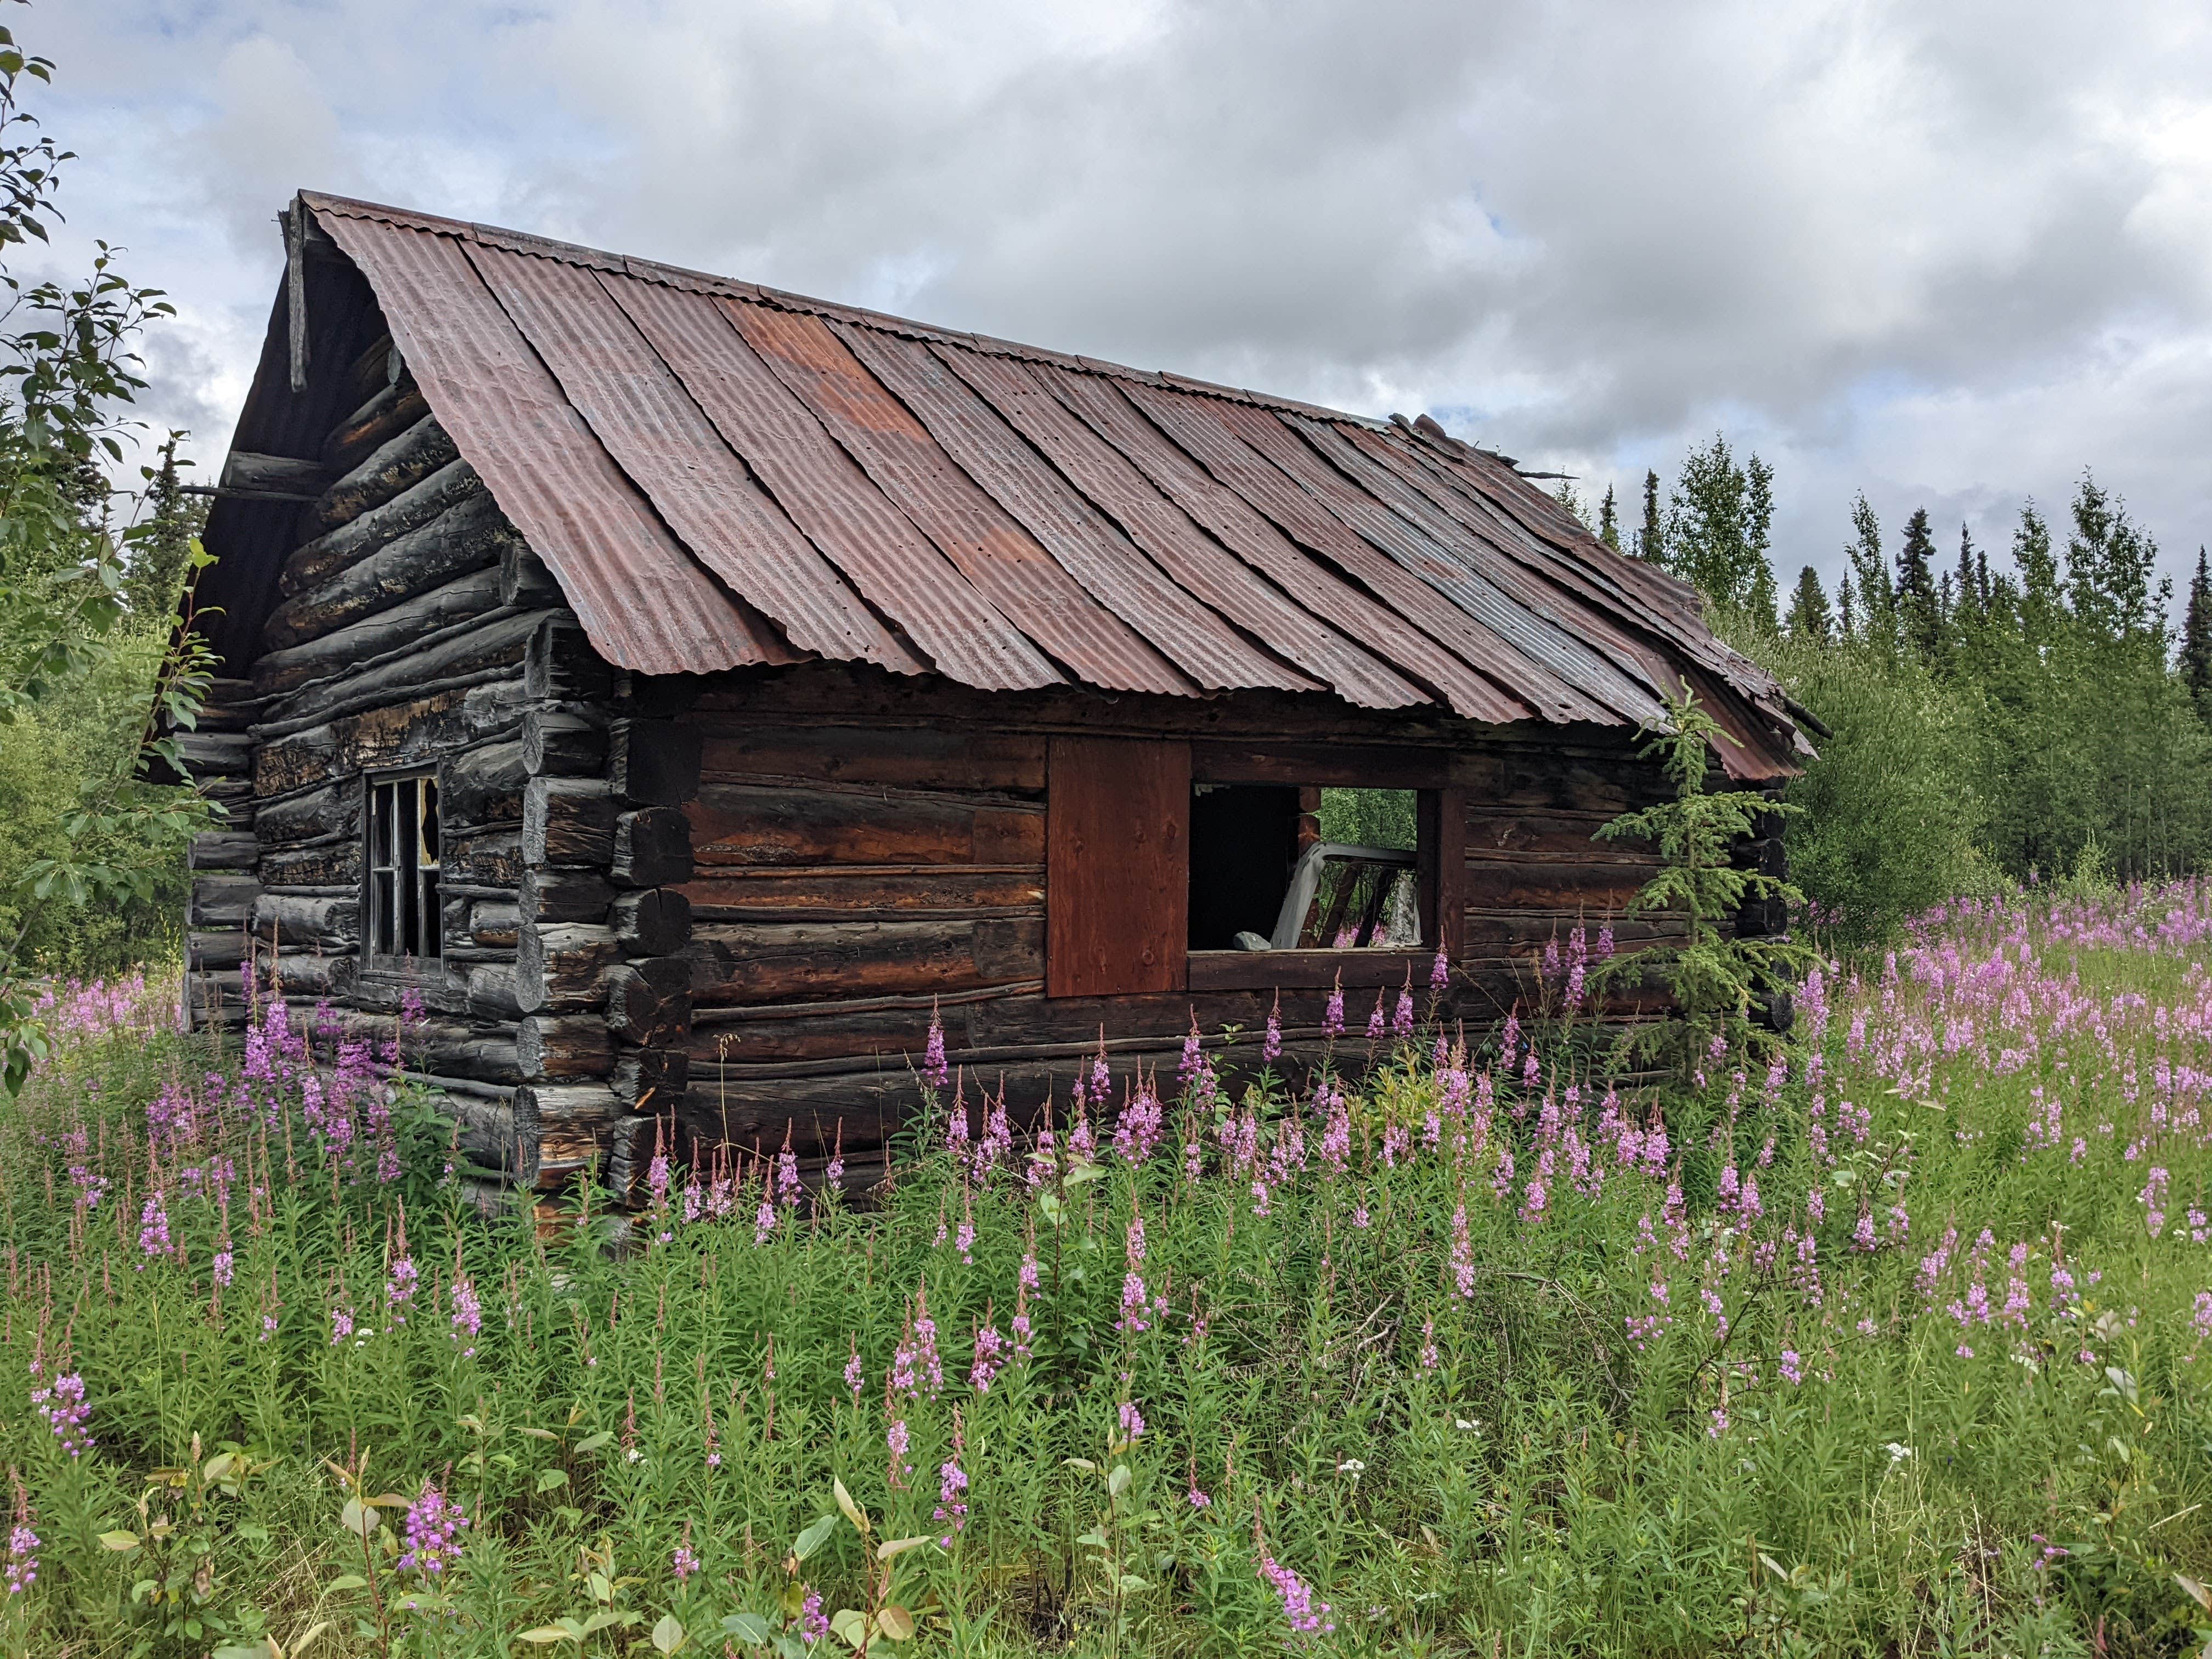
(864, 849)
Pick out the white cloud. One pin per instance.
(1950, 250)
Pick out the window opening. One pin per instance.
(402, 869)
(1279, 867)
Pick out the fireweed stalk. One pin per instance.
(1977, 1174)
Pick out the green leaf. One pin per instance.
(748, 1627)
(345, 1580)
(850, 1626)
(546, 1634)
(1117, 1482)
(854, 1512)
(894, 1622)
(266, 1647)
(668, 1634)
(121, 1543)
(813, 1538)
(549, 1479)
(596, 1442)
(891, 1546)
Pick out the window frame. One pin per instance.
(427, 880)
(1441, 871)
(1440, 866)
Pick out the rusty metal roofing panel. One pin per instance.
(1201, 428)
(829, 498)
(641, 599)
(1098, 471)
(1088, 547)
(1457, 572)
(1580, 614)
(1106, 408)
(656, 434)
(1002, 560)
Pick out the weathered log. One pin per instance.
(391, 467)
(754, 824)
(563, 1047)
(485, 653)
(652, 847)
(225, 949)
(387, 413)
(484, 785)
(411, 730)
(495, 923)
(208, 754)
(222, 901)
(491, 991)
(561, 666)
(651, 1079)
(223, 849)
(472, 535)
(653, 763)
(846, 892)
(465, 599)
(795, 962)
(563, 742)
(569, 821)
(333, 809)
(649, 1000)
(213, 998)
(567, 895)
(325, 924)
(370, 371)
(890, 756)
(562, 967)
(625, 1170)
(498, 1134)
(523, 581)
(272, 478)
(656, 922)
(453, 1048)
(421, 504)
(491, 858)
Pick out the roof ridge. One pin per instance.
(682, 277)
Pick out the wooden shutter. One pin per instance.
(1117, 866)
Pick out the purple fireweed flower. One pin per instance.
(1376, 1021)
(896, 1440)
(400, 1288)
(682, 1562)
(951, 1484)
(225, 1267)
(1791, 1367)
(434, 1529)
(1134, 1299)
(764, 1218)
(21, 1571)
(62, 1404)
(989, 1356)
(1271, 1048)
(1439, 972)
(341, 1323)
(154, 1226)
(1131, 1421)
(1462, 1252)
(813, 1623)
(467, 1320)
(1401, 1019)
(934, 1071)
(1308, 1618)
(855, 1378)
(1331, 1023)
(1138, 1132)
(1187, 1069)
(1430, 1359)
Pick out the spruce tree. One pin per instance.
(1877, 601)
(1571, 499)
(1847, 621)
(2196, 639)
(1919, 614)
(1971, 599)
(1608, 521)
(155, 573)
(1650, 540)
(1808, 619)
(2042, 613)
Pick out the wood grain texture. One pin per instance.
(1117, 887)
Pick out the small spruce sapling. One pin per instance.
(1714, 977)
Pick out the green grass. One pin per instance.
(1538, 1484)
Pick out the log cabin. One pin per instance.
(688, 690)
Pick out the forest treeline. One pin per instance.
(2033, 714)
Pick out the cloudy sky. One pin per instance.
(1945, 252)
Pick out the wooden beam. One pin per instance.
(285, 477)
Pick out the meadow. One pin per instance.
(1897, 1340)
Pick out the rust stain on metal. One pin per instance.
(639, 595)
(999, 558)
(721, 474)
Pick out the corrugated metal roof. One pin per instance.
(720, 474)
